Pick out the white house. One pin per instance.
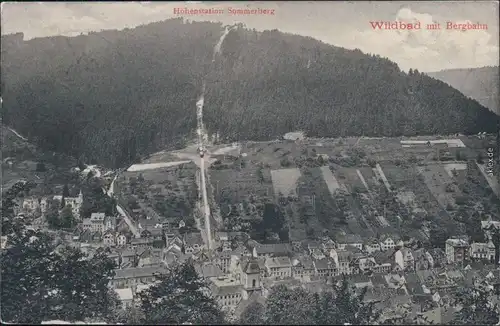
(354, 240)
(74, 202)
(121, 240)
(480, 250)
(388, 242)
(126, 297)
(97, 221)
(371, 246)
(30, 204)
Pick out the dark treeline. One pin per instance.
(113, 96)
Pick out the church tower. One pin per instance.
(80, 197)
(250, 277)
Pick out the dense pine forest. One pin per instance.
(113, 96)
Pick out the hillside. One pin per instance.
(368, 187)
(114, 96)
(481, 84)
(22, 160)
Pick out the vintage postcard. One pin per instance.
(245, 162)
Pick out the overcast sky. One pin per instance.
(344, 24)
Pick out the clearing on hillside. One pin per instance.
(350, 179)
(437, 180)
(380, 173)
(449, 142)
(171, 192)
(160, 157)
(408, 198)
(360, 175)
(331, 181)
(490, 179)
(285, 181)
(454, 166)
(153, 166)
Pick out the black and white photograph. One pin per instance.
(250, 163)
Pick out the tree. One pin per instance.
(289, 307)
(40, 167)
(52, 214)
(480, 158)
(337, 305)
(65, 191)
(285, 162)
(67, 220)
(130, 316)
(371, 162)
(349, 307)
(253, 314)
(180, 297)
(63, 203)
(8, 203)
(39, 283)
(477, 308)
(83, 291)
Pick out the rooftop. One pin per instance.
(324, 263)
(208, 270)
(350, 239)
(282, 262)
(225, 286)
(455, 242)
(250, 265)
(97, 216)
(276, 248)
(139, 272)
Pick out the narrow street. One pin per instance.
(129, 222)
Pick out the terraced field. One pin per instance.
(170, 191)
(285, 181)
(437, 180)
(331, 181)
(403, 190)
(350, 177)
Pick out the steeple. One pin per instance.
(80, 197)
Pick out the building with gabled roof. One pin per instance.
(227, 292)
(279, 267)
(484, 251)
(325, 267)
(272, 250)
(193, 242)
(303, 267)
(457, 250)
(354, 240)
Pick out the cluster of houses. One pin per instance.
(459, 249)
(242, 270)
(34, 206)
(403, 279)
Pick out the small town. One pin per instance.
(405, 281)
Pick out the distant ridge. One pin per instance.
(481, 84)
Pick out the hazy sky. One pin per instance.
(343, 24)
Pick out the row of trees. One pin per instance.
(338, 305)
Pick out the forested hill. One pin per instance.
(482, 84)
(112, 96)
